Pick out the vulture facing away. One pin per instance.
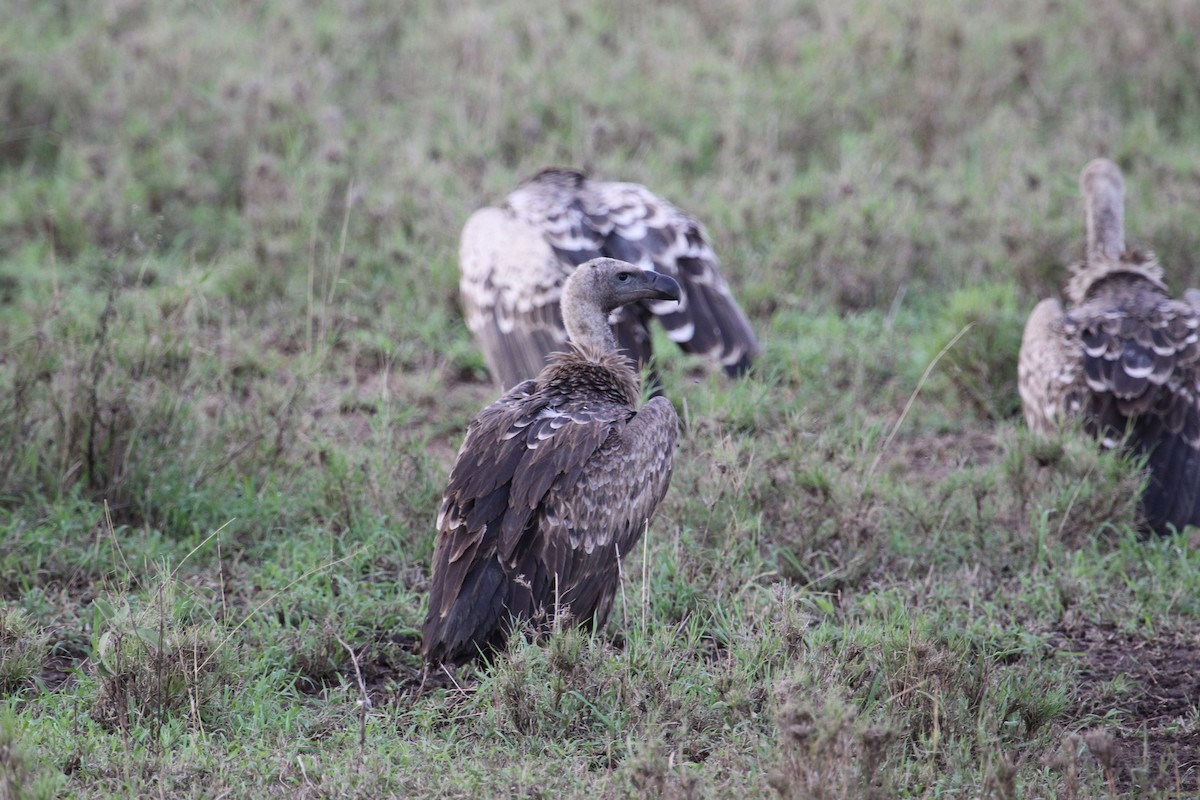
(514, 260)
(554, 483)
(1124, 356)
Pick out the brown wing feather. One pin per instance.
(475, 500)
(592, 518)
(1140, 353)
(527, 464)
(1134, 340)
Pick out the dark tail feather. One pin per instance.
(1172, 495)
(473, 624)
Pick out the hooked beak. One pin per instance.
(664, 287)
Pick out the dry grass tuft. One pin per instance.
(154, 659)
(1069, 489)
(23, 648)
(826, 749)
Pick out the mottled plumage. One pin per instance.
(1124, 356)
(514, 260)
(554, 483)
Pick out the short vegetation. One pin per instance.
(234, 374)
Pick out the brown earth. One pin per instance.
(1151, 687)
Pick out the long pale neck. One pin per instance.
(587, 325)
(1104, 201)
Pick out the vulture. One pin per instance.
(514, 260)
(554, 483)
(1124, 357)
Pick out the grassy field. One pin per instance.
(234, 374)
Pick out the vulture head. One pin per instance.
(598, 287)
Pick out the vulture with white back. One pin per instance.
(555, 482)
(514, 259)
(1124, 356)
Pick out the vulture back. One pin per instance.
(1124, 355)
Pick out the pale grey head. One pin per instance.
(597, 288)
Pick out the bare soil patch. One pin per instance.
(934, 457)
(58, 671)
(1153, 687)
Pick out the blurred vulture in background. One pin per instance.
(1124, 356)
(514, 259)
(554, 483)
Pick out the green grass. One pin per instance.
(234, 375)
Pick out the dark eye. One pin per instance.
(622, 276)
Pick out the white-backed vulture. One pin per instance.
(513, 261)
(1124, 356)
(554, 483)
